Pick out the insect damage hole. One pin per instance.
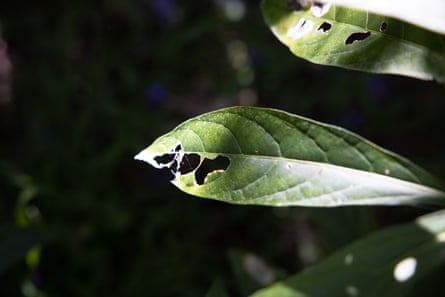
(189, 163)
(209, 166)
(165, 159)
(178, 163)
(170, 160)
(325, 27)
(168, 164)
(320, 8)
(296, 5)
(383, 26)
(358, 36)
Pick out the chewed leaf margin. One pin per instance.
(250, 155)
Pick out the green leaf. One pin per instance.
(250, 272)
(251, 155)
(217, 290)
(332, 35)
(430, 14)
(385, 263)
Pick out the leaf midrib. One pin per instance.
(316, 164)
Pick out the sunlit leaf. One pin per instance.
(332, 35)
(251, 155)
(385, 263)
(428, 14)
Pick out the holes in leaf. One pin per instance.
(168, 163)
(317, 7)
(325, 27)
(358, 36)
(296, 5)
(165, 159)
(320, 8)
(208, 166)
(383, 26)
(170, 160)
(177, 163)
(189, 163)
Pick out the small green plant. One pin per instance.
(259, 156)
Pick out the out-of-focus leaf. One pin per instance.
(385, 263)
(340, 226)
(15, 242)
(338, 36)
(249, 155)
(250, 271)
(217, 290)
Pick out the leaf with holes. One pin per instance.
(331, 35)
(430, 14)
(249, 155)
(386, 263)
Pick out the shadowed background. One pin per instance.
(85, 85)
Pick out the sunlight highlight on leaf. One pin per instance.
(356, 39)
(249, 155)
(386, 263)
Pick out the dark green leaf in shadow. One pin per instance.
(217, 290)
(250, 271)
(385, 263)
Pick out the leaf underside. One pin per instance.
(359, 40)
(250, 155)
(385, 263)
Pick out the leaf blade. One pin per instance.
(277, 158)
(358, 40)
(430, 14)
(385, 263)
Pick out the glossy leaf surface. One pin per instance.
(332, 35)
(249, 155)
(385, 263)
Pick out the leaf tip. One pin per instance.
(147, 157)
(141, 156)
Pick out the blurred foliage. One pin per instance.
(93, 82)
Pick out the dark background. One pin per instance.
(85, 85)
